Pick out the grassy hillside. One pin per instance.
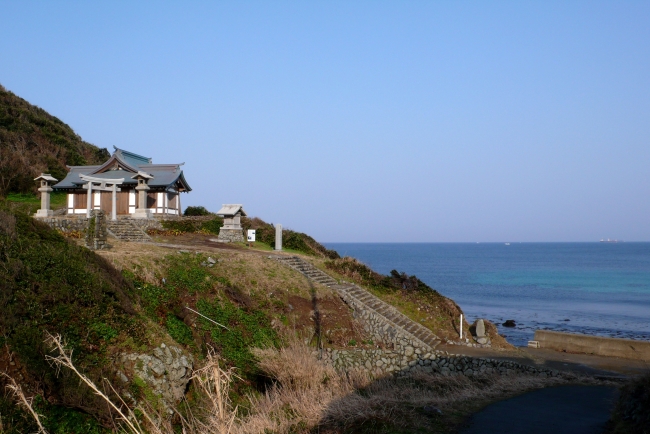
(50, 285)
(33, 141)
(262, 319)
(130, 299)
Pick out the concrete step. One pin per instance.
(125, 230)
(374, 303)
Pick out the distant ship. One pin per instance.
(609, 240)
(507, 244)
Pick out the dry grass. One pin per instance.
(252, 271)
(213, 384)
(305, 389)
(22, 400)
(309, 393)
(259, 274)
(143, 259)
(64, 359)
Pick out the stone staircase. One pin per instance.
(125, 230)
(353, 294)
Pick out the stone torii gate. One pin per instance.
(103, 186)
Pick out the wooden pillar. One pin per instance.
(165, 203)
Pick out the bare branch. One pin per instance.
(65, 359)
(23, 401)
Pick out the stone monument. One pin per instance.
(45, 179)
(231, 231)
(479, 333)
(278, 237)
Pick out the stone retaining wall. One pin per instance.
(66, 223)
(69, 223)
(383, 330)
(409, 360)
(231, 235)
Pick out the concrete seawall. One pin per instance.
(576, 343)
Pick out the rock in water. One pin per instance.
(509, 323)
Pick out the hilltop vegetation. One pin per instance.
(33, 141)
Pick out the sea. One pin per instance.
(600, 289)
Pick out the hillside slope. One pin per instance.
(128, 301)
(33, 141)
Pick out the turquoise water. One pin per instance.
(594, 288)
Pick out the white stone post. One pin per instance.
(114, 212)
(278, 237)
(90, 199)
(461, 326)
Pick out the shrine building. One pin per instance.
(126, 184)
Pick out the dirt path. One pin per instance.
(556, 410)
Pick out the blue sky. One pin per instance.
(364, 121)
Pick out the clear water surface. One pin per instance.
(594, 288)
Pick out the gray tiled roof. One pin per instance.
(130, 158)
(164, 175)
(231, 209)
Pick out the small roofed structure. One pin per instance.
(231, 231)
(45, 188)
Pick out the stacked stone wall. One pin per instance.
(408, 360)
(70, 223)
(192, 218)
(66, 223)
(383, 330)
(231, 235)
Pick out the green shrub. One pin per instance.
(363, 274)
(196, 211)
(153, 296)
(265, 233)
(181, 225)
(190, 226)
(178, 330)
(103, 331)
(246, 329)
(185, 272)
(212, 226)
